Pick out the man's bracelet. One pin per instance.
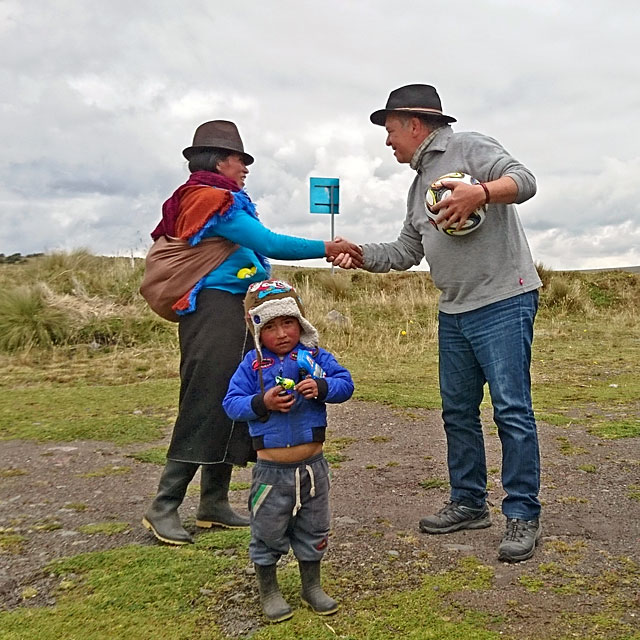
(486, 193)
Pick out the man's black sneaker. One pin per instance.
(519, 540)
(456, 516)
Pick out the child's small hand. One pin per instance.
(274, 401)
(307, 388)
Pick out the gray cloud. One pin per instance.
(99, 101)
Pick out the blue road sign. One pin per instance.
(324, 195)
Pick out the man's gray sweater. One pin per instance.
(492, 263)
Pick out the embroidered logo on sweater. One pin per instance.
(265, 364)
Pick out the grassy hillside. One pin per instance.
(82, 358)
(78, 320)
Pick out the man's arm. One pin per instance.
(490, 163)
(405, 252)
(505, 180)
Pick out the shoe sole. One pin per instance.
(281, 618)
(209, 524)
(176, 543)
(467, 524)
(330, 612)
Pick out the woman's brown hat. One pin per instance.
(218, 134)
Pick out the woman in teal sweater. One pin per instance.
(211, 212)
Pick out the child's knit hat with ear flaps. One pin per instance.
(273, 298)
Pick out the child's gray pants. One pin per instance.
(289, 505)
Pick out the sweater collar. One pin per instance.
(436, 140)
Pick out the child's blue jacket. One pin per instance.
(307, 419)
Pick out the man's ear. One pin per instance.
(419, 127)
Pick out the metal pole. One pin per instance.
(331, 211)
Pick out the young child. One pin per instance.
(289, 499)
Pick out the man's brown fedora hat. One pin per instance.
(219, 134)
(416, 99)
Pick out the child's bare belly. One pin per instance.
(290, 454)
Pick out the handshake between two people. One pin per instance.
(344, 254)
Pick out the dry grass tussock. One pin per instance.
(365, 311)
(70, 299)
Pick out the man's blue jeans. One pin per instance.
(491, 344)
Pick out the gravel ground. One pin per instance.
(590, 518)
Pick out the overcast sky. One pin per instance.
(98, 100)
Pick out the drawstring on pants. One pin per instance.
(312, 491)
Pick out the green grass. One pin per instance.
(106, 471)
(10, 542)
(174, 594)
(614, 429)
(153, 455)
(91, 387)
(76, 506)
(567, 448)
(333, 448)
(578, 361)
(239, 486)
(121, 414)
(104, 528)
(433, 483)
(12, 473)
(397, 383)
(141, 592)
(533, 585)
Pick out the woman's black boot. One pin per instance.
(162, 517)
(214, 508)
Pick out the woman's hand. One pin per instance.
(276, 399)
(343, 253)
(307, 388)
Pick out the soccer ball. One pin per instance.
(436, 192)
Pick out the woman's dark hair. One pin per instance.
(208, 159)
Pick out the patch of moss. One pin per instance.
(10, 541)
(568, 449)
(433, 483)
(614, 429)
(239, 486)
(104, 528)
(76, 506)
(47, 525)
(531, 584)
(154, 455)
(12, 473)
(634, 492)
(106, 471)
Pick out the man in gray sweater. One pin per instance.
(488, 302)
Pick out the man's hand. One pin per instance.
(456, 208)
(307, 388)
(340, 251)
(346, 259)
(273, 401)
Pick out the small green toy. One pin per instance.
(286, 383)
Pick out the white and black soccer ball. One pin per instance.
(436, 192)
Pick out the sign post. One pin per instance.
(324, 197)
